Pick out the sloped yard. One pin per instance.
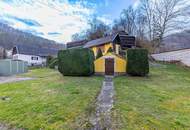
(160, 101)
(50, 101)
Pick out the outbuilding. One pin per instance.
(11, 67)
(110, 64)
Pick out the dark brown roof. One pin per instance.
(104, 40)
(100, 41)
(74, 44)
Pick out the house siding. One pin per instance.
(28, 59)
(99, 65)
(119, 64)
(106, 48)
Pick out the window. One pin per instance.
(34, 58)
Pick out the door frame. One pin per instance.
(113, 64)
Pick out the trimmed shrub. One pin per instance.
(99, 54)
(110, 50)
(76, 62)
(54, 62)
(137, 62)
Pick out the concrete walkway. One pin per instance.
(104, 104)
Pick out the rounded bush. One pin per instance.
(138, 64)
(76, 62)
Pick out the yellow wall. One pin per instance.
(99, 65)
(106, 47)
(119, 64)
(94, 49)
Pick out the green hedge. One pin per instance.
(76, 62)
(138, 64)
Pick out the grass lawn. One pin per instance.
(51, 101)
(160, 101)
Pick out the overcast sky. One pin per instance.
(58, 19)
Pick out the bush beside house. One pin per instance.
(138, 64)
(76, 62)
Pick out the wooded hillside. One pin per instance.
(10, 37)
(176, 41)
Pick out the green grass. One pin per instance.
(50, 101)
(160, 101)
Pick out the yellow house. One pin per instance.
(110, 64)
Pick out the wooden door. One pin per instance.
(109, 66)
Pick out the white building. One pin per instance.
(34, 56)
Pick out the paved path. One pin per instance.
(5, 127)
(9, 79)
(102, 119)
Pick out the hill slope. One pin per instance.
(176, 41)
(10, 37)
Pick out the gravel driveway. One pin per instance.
(9, 79)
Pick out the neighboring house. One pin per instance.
(34, 56)
(110, 63)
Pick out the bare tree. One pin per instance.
(169, 17)
(147, 8)
(140, 25)
(126, 22)
(97, 29)
(162, 17)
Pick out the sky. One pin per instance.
(58, 20)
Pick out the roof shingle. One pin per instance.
(38, 51)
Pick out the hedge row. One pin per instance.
(76, 62)
(138, 64)
(80, 62)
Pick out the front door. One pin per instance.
(109, 66)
